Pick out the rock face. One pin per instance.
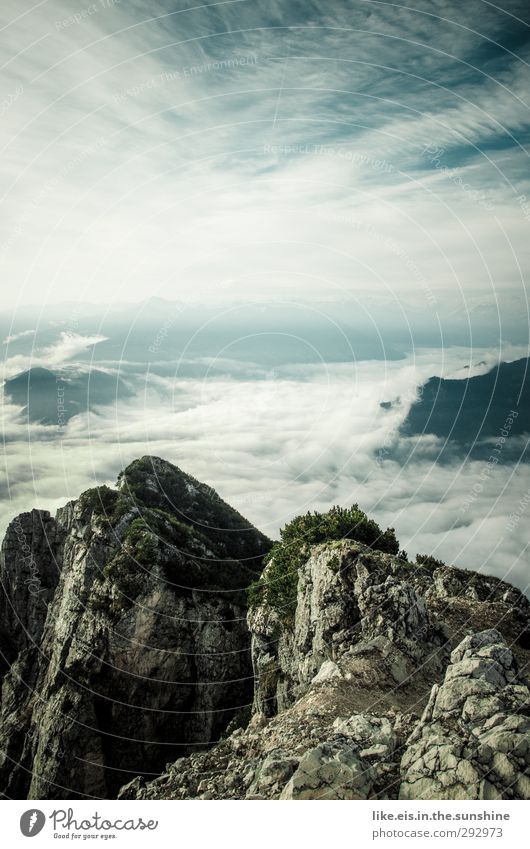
(384, 684)
(350, 598)
(473, 740)
(30, 564)
(137, 650)
(139, 672)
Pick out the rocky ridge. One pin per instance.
(132, 666)
(385, 685)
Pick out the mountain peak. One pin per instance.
(129, 611)
(159, 484)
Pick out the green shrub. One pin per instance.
(127, 579)
(122, 506)
(140, 542)
(128, 569)
(278, 588)
(101, 500)
(106, 503)
(429, 562)
(170, 528)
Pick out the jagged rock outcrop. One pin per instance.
(349, 598)
(30, 565)
(197, 506)
(473, 740)
(131, 661)
(344, 704)
(139, 649)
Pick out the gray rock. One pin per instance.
(330, 771)
(273, 773)
(133, 663)
(374, 735)
(472, 742)
(348, 595)
(329, 671)
(30, 565)
(367, 633)
(136, 659)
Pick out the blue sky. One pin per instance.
(249, 150)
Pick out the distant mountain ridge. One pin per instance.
(475, 408)
(54, 397)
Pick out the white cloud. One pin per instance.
(305, 439)
(135, 164)
(61, 352)
(15, 336)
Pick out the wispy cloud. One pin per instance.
(67, 346)
(15, 336)
(143, 150)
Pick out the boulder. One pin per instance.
(473, 740)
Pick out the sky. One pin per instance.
(262, 150)
(267, 218)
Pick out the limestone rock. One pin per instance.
(273, 774)
(374, 735)
(348, 594)
(142, 650)
(338, 689)
(330, 771)
(473, 739)
(327, 672)
(136, 666)
(30, 565)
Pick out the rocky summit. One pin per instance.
(133, 665)
(124, 628)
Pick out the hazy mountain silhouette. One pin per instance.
(54, 397)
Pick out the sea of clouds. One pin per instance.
(277, 442)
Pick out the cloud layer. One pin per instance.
(285, 441)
